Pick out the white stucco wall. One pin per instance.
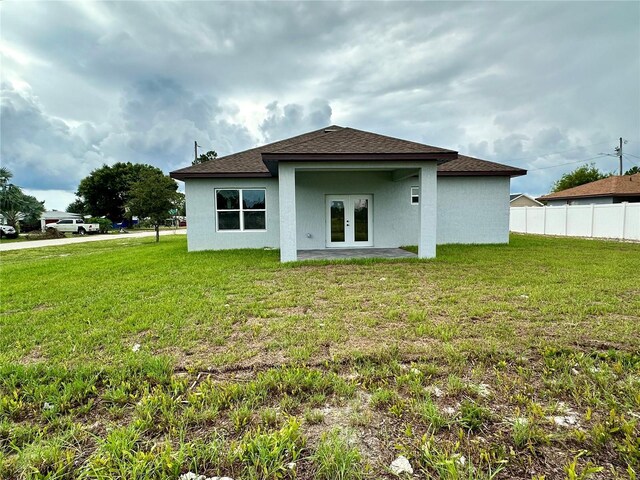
(473, 210)
(201, 215)
(395, 220)
(470, 210)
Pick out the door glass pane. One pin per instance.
(361, 219)
(337, 221)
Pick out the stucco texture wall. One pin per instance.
(470, 210)
(473, 210)
(201, 215)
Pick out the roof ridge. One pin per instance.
(324, 130)
(400, 139)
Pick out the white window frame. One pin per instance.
(411, 195)
(240, 210)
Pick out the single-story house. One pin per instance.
(53, 216)
(345, 188)
(523, 200)
(614, 189)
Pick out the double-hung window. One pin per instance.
(415, 195)
(241, 209)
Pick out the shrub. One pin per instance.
(105, 223)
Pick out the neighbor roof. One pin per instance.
(339, 143)
(617, 186)
(515, 196)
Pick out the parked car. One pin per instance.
(8, 231)
(75, 226)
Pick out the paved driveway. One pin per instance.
(87, 238)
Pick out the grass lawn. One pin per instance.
(130, 359)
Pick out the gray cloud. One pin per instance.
(42, 152)
(291, 119)
(509, 82)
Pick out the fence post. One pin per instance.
(526, 214)
(544, 220)
(566, 218)
(592, 209)
(624, 219)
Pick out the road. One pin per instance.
(5, 247)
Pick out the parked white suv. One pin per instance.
(8, 231)
(75, 226)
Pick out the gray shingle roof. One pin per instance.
(337, 141)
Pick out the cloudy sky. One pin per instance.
(545, 86)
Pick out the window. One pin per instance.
(79, 221)
(241, 209)
(415, 195)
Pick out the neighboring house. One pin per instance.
(615, 189)
(345, 188)
(52, 216)
(523, 200)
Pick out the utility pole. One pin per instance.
(620, 155)
(195, 151)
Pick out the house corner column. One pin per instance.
(287, 197)
(428, 211)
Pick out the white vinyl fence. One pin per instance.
(618, 220)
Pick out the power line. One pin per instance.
(557, 153)
(568, 163)
(631, 154)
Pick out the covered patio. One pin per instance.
(351, 253)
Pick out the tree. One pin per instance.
(105, 191)
(78, 206)
(632, 171)
(152, 197)
(15, 205)
(579, 176)
(205, 157)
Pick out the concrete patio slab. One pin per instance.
(349, 253)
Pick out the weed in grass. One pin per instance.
(455, 385)
(336, 459)
(313, 417)
(317, 399)
(472, 415)
(445, 461)
(574, 472)
(240, 417)
(427, 411)
(526, 433)
(269, 417)
(289, 405)
(265, 456)
(383, 398)
(360, 417)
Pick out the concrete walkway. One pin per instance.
(4, 247)
(347, 253)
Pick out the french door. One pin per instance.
(349, 220)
